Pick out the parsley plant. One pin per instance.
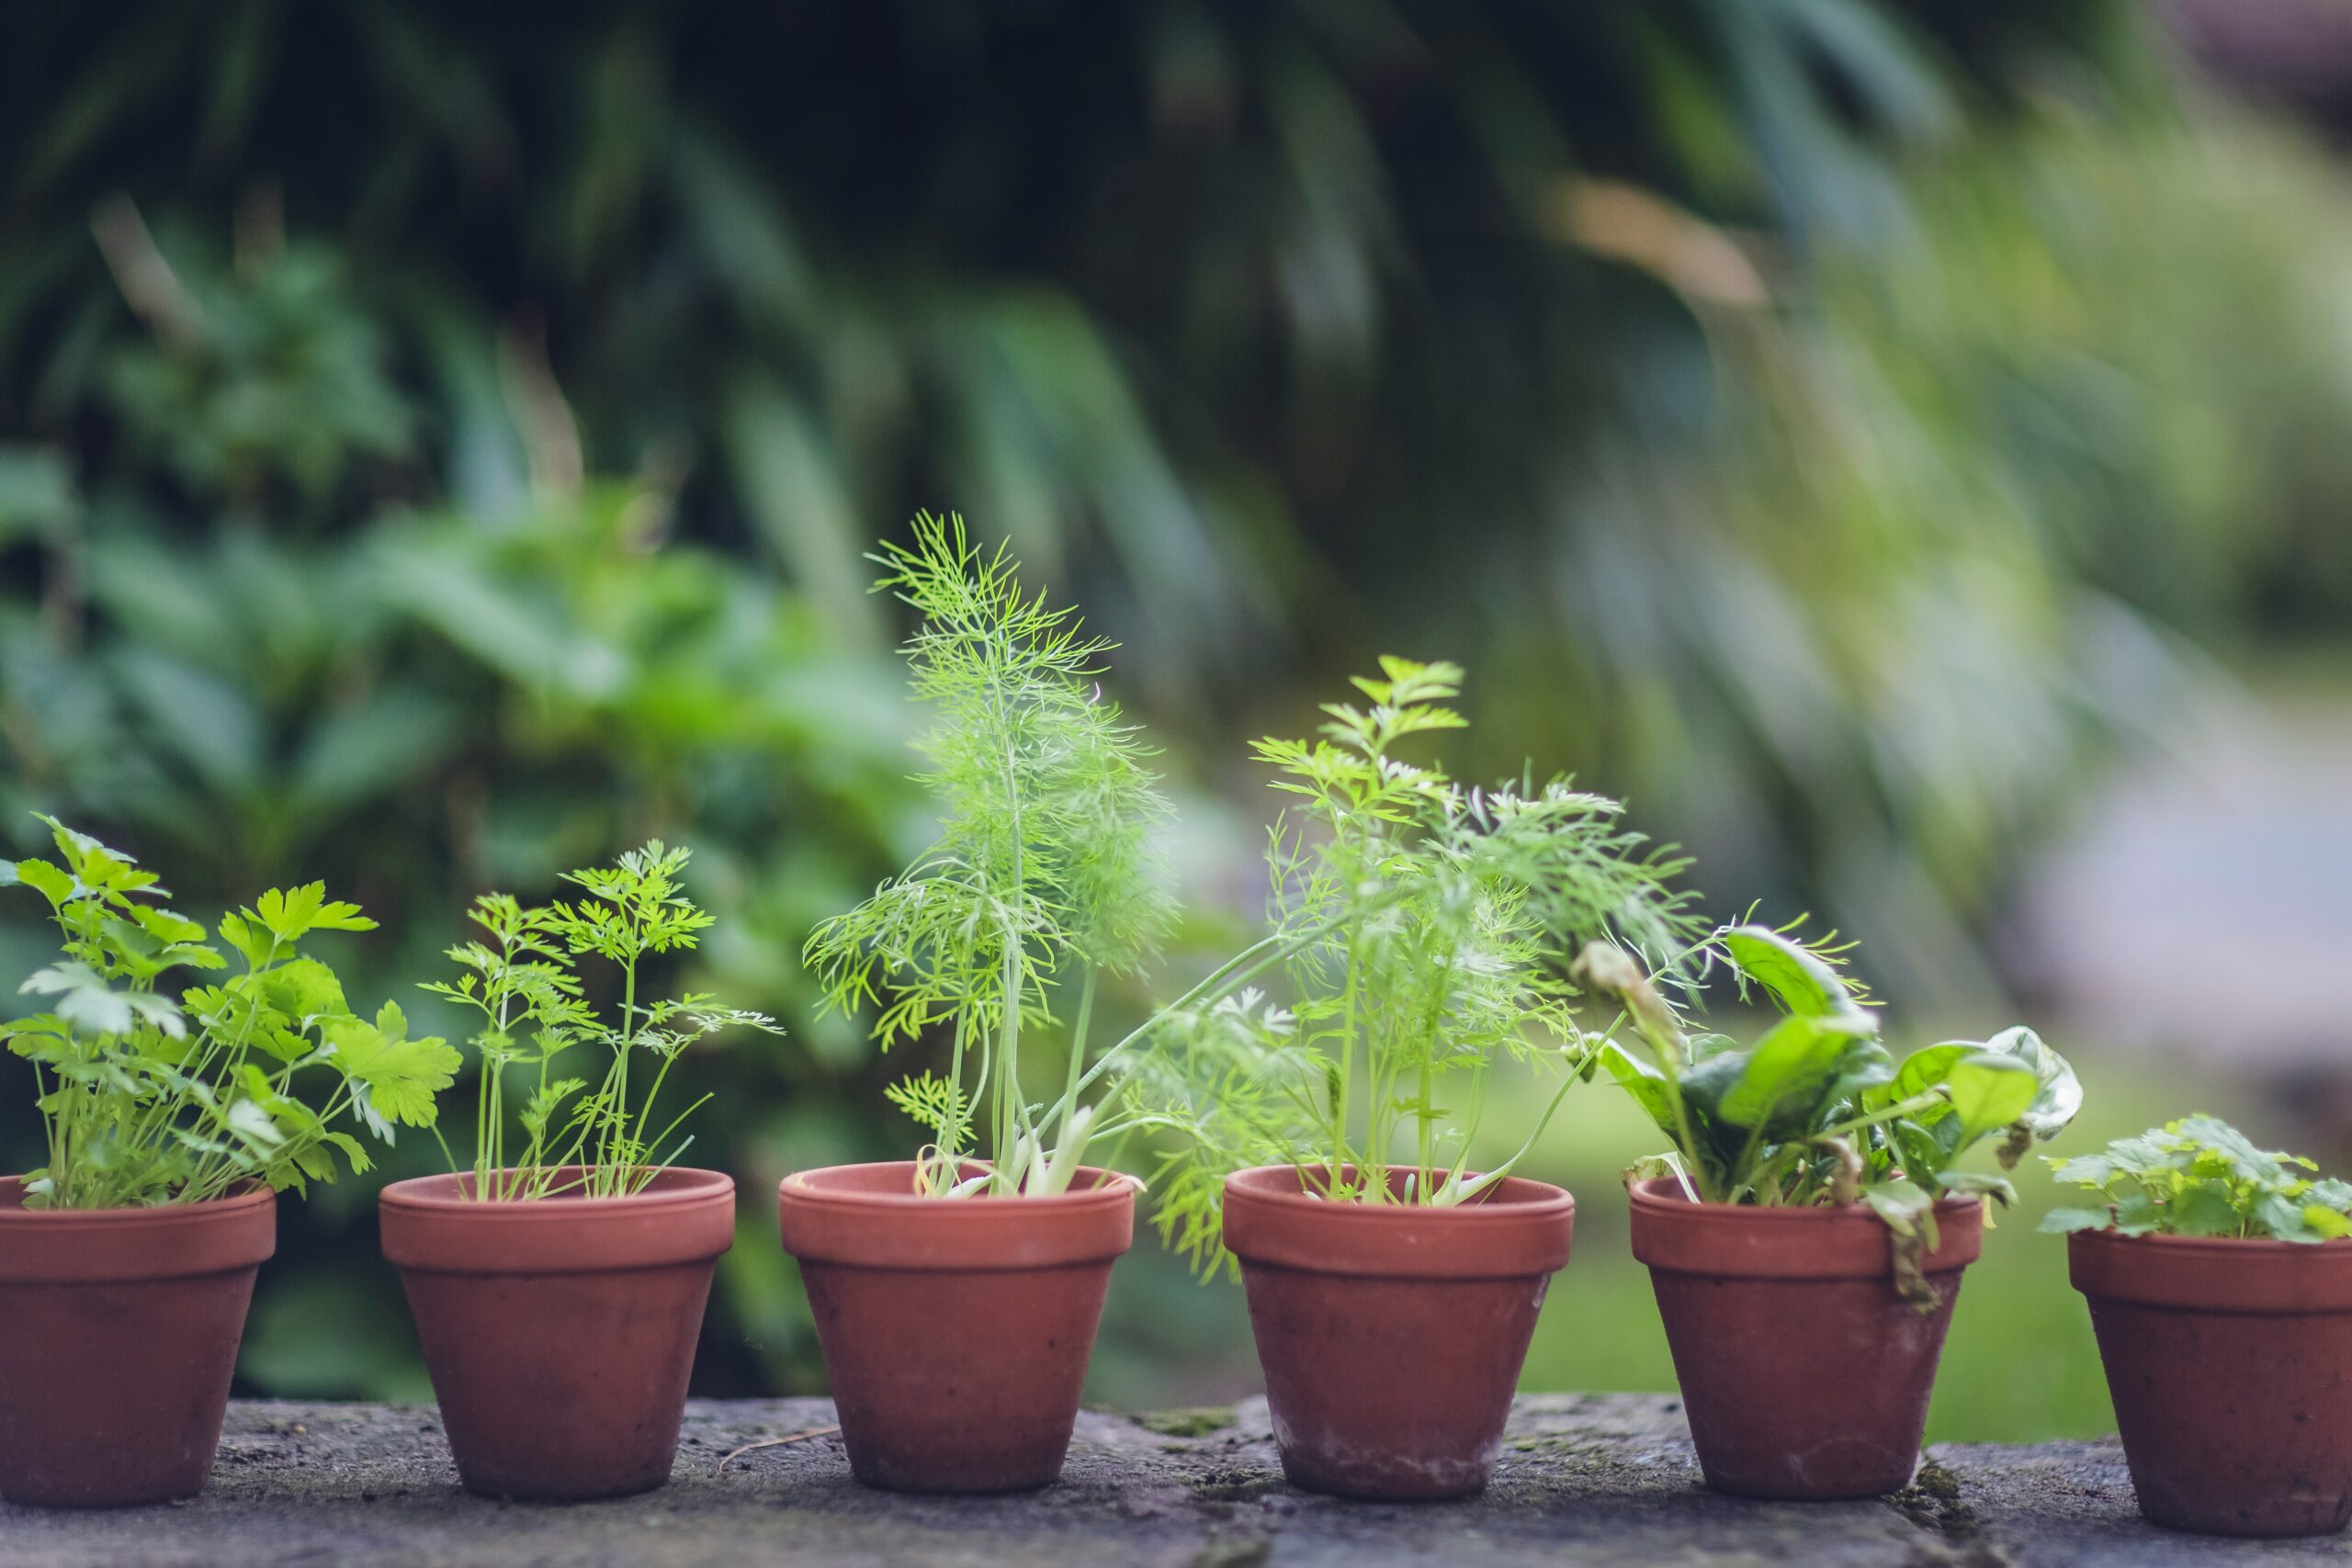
(146, 1099)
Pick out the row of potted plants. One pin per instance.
(1303, 1115)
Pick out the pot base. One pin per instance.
(1392, 1335)
(955, 1331)
(559, 1332)
(122, 1327)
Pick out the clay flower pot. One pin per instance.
(955, 1331)
(1392, 1335)
(2230, 1363)
(560, 1333)
(1804, 1374)
(121, 1336)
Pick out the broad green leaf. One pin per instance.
(1644, 1083)
(1806, 984)
(1787, 1072)
(1922, 1070)
(1988, 1092)
(2058, 1096)
(2061, 1221)
(1904, 1205)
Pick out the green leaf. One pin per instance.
(2062, 1222)
(289, 914)
(1988, 1092)
(45, 879)
(1644, 1083)
(1807, 984)
(2058, 1095)
(1789, 1070)
(302, 989)
(401, 1076)
(2204, 1208)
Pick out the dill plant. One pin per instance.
(1420, 933)
(1044, 878)
(146, 1099)
(521, 975)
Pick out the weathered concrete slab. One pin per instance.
(1600, 1480)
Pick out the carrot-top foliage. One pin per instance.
(1421, 936)
(522, 976)
(149, 1098)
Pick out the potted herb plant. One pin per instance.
(128, 1259)
(1424, 931)
(559, 1283)
(956, 1294)
(1806, 1235)
(2219, 1282)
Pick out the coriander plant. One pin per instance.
(522, 976)
(1817, 1111)
(1422, 932)
(2201, 1177)
(1044, 878)
(146, 1099)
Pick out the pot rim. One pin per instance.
(868, 1215)
(2254, 1275)
(158, 1241)
(1781, 1241)
(686, 1216)
(1522, 1229)
(673, 1186)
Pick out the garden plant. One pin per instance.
(559, 1282)
(1806, 1230)
(127, 1260)
(1421, 931)
(2220, 1281)
(1045, 880)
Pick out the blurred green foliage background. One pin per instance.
(439, 443)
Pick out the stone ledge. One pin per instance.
(1600, 1480)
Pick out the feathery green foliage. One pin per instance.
(1423, 930)
(2200, 1175)
(1817, 1111)
(149, 1100)
(1044, 877)
(522, 977)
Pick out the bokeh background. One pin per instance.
(1903, 447)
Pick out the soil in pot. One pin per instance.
(122, 1332)
(955, 1331)
(2230, 1363)
(560, 1333)
(1392, 1335)
(1804, 1374)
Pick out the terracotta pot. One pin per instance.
(121, 1337)
(1804, 1374)
(560, 1333)
(955, 1331)
(1392, 1335)
(2230, 1363)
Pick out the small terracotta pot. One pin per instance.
(560, 1333)
(955, 1331)
(119, 1331)
(1804, 1374)
(2230, 1363)
(1392, 1335)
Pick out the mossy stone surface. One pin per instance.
(1596, 1481)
